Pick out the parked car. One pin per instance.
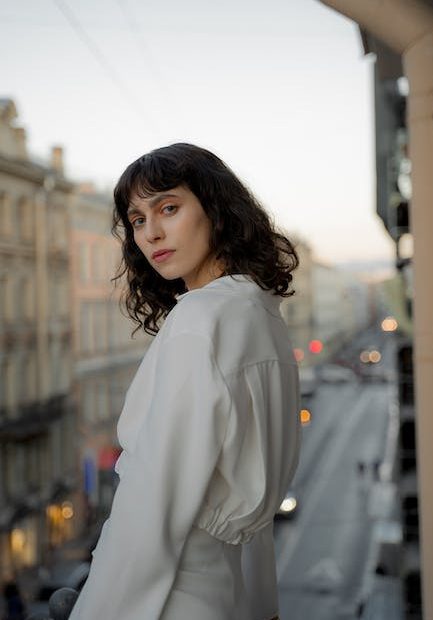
(375, 374)
(334, 373)
(289, 506)
(308, 380)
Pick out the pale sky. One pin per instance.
(280, 90)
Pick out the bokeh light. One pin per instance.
(316, 346)
(299, 354)
(389, 324)
(305, 417)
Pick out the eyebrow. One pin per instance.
(133, 210)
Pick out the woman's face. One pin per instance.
(173, 232)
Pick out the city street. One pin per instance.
(323, 552)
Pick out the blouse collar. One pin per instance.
(243, 285)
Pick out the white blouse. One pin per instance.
(210, 438)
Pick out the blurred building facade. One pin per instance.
(393, 197)
(329, 307)
(37, 472)
(105, 356)
(340, 306)
(297, 311)
(66, 356)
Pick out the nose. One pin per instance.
(153, 230)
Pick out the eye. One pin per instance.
(170, 209)
(139, 221)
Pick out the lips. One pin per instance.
(162, 255)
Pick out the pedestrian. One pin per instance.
(377, 464)
(15, 608)
(210, 424)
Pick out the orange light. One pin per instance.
(305, 417)
(375, 357)
(67, 510)
(315, 346)
(18, 540)
(389, 324)
(365, 357)
(299, 354)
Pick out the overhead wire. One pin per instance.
(151, 64)
(134, 28)
(129, 97)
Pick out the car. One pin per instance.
(289, 506)
(334, 373)
(375, 374)
(308, 380)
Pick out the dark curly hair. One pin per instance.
(243, 237)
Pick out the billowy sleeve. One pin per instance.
(162, 486)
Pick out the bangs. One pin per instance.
(150, 174)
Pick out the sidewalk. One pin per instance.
(385, 600)
(381, 592)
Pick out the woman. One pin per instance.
(209, 428)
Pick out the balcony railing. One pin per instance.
(32, 419)
(60, 605)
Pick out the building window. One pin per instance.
(57, 366)
(96, 262)
(26, 298)
(103, 408)
(59, 295)
(22, 394)
(33, 464)
(86, 328)
(63, 295)
(100, 329)
(59, 227)
(10, 372)
(84, 261)
(101, 263)
(115, 258)
(3, 283)
(8, 311)
(5, 215)
(26, 219)
(32, 386)
(65, 369)
(88, 401)
(3, 384)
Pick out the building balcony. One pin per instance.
(33, 419)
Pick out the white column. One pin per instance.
(418, 63)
